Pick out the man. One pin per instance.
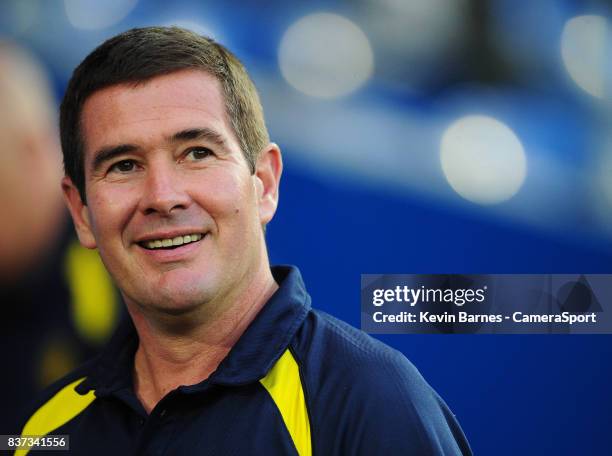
(170, 174)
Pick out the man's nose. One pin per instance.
(163, 191)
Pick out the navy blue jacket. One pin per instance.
(298, 381)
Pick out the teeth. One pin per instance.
(179, 240)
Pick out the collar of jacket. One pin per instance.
(249, 360)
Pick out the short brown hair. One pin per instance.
(141, 54)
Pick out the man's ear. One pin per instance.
(79, 213)
(267, 178)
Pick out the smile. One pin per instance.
(171, 242)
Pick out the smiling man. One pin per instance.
(170, 174)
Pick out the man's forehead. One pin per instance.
(157, 107)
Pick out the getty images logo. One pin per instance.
(413, 296)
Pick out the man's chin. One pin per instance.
(171, 303)
(178, 316)
(178, 295)
(176, 309)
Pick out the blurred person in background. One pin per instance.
(57, 302)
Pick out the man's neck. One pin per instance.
(166, 360)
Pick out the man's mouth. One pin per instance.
(170, 243)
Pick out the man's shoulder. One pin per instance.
(63, 389)
(337, 355)
(337, 345)
(359, 386)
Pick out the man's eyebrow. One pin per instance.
(198, 133)
(108, 153)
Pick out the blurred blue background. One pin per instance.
(422, 136)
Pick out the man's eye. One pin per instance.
(199, 153)
(124, 166)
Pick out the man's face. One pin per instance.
(163, 167)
